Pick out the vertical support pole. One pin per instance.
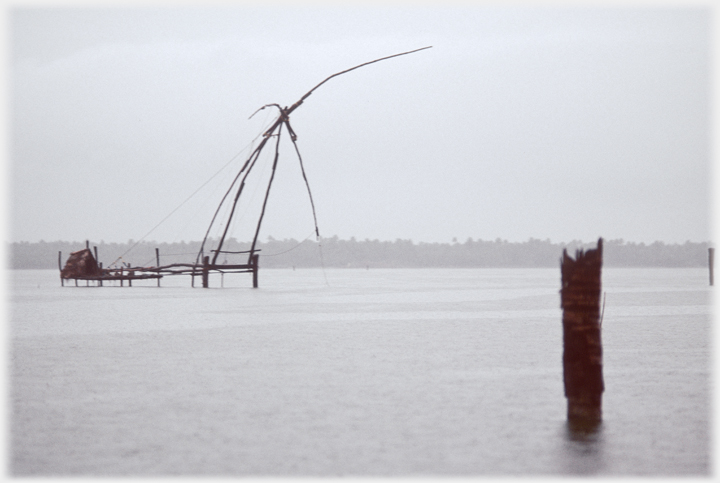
(157, 262)
(99, 265)
(711, 264)
(205, 271)
(582, 344)
(255, 270)
(122, 274)
(87, 247)
(62, 281)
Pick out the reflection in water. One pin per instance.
(583, 447)
(580, 429)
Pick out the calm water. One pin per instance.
(353, 372)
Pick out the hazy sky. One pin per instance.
(520, 122)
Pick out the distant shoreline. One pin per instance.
(336, 253)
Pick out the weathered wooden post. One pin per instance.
(255, 259)
(711, 264)
(122, 271)
(205, 271)
(62, 281)
(582, 344)
(100, 280)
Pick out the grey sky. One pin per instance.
(546, 123)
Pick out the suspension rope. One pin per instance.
(322, 261)
(186, 200)
(291, 249)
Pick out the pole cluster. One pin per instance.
(238, 183)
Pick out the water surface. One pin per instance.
(418, 372)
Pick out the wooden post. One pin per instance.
(122, 270)
(62, 282)
(100, 281)
(157, 262)
(582, 344)
(711, 264)
(255, 270)
(98, 264)
(205, 271)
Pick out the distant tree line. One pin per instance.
(333, 252)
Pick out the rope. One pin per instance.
(291, 249)
(322, 261)
(186, 200)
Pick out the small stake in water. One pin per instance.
(582, 343)
(711, 263)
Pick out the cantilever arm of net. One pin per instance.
(285, 113)
(297, 104)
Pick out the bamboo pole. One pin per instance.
(255, 268)
(249, 165)
(293, 137)
(267, 193)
